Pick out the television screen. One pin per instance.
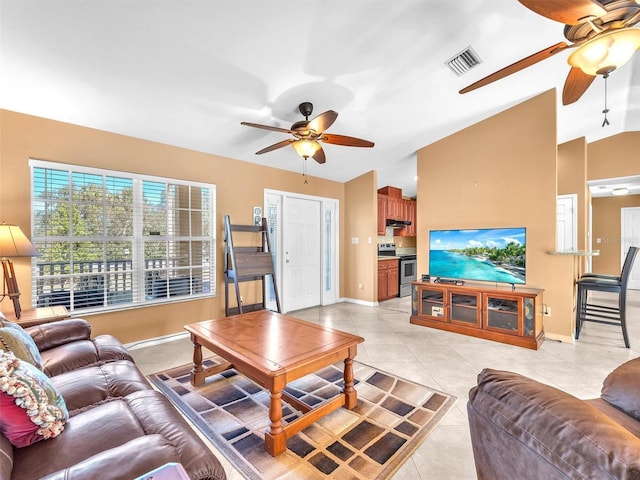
(489, 254)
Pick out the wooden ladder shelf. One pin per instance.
(246, 264)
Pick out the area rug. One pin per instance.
(392, 418)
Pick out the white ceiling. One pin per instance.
(187, 72)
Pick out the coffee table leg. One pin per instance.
(350, 394)
(275, 439)
(197, 372)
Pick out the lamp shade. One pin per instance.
(14, 243)
(306, 148)
(606, 52)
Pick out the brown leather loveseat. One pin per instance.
(118, 426)
(527, 430)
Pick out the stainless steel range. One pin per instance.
(407, 267)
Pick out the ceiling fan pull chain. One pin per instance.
(606, 110)
(304, 169)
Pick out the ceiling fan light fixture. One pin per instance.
(606, 52)
(306, 148)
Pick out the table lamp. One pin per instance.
(13, 243)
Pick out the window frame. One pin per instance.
(140, 272)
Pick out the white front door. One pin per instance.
(630, 226)
(302, 253)
(566, 223)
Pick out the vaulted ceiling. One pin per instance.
(187, 72)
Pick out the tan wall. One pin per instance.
(240, 185)
(502, 172)
(615, 156)
(572, 179)
(361, 222)
(607, 227)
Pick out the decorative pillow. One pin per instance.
(32, 408)
(621, 388)
(13, 338)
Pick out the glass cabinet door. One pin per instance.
(463, 309)
(501, 314)
(432, 303)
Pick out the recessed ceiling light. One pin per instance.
(620, 191)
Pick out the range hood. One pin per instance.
(398, 223)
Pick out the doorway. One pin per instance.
(567, 223)
(303, 232)
(630, 235)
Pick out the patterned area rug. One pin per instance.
(392, 418)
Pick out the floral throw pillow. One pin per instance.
(13, 338)
(32, 408)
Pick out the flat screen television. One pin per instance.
(488, 254)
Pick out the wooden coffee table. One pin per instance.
(273, 349)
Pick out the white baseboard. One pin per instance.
(559, 338)
(360, 302)
(151, 342)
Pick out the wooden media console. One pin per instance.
(502, 314)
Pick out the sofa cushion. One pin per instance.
(622, 386)
(111, 425)
(32, 408)
(83, 353)
(54, 334)
(13, 338)
(90, 386)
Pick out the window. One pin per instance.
(111, 240)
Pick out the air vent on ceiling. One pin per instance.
(464, 61)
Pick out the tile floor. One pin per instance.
(448, 362)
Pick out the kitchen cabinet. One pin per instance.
(394, 202)
(394, 208)
(391, 206)
(409, 213)
(388, 278)
(382, 214)
(494, 313)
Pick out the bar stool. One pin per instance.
(587, 311)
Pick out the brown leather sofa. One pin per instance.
(118, 427)
(523, 429)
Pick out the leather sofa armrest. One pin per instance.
(51, 335)
(131, 460)
(523, 429)
(620, 388)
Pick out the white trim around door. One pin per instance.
(275, 208)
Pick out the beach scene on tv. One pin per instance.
(490, 255)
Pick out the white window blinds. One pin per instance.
(112, 240)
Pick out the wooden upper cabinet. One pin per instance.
(409, 212)
(391, 192)
(382, 214)
(392, 206)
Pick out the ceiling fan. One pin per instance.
(599, 31)
(307, 133)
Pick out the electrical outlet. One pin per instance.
(360, 286)
(241, 300)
